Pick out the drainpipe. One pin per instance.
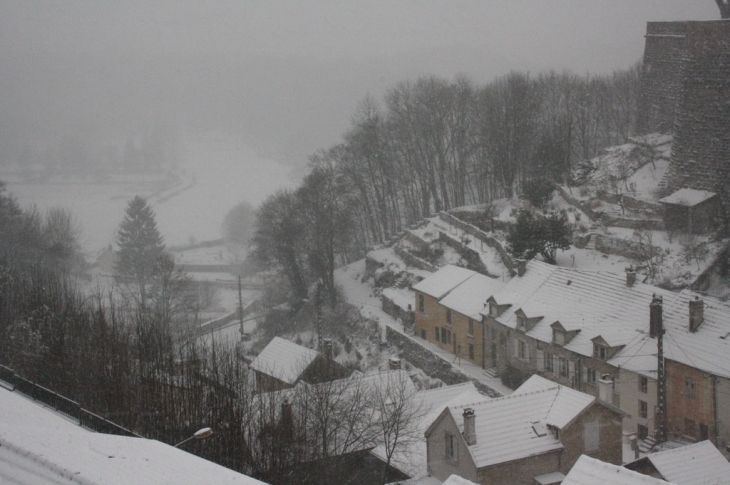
(715, 426)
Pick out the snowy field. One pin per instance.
(218, 174)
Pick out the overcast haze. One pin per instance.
(286, 76)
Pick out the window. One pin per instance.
(421, 304)
(643, 409)
(523, 351)
(438, 334)
(445, 336)
(471, 327)
(600, 352)
(549, 363)
(689, 387)
(558, 337)
(449, 446)
(448, 317)
(493, 310)
(563, 367)
(471, 351)
(423, 333)
(521, 324)
(591, 376)
(643, 384)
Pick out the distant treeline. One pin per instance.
(152, 152)
(440, 144)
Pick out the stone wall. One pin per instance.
(661, 77)
(480, 236)
(701, 148)
(430, 363)
(414, 261)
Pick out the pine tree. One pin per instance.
(140, 244)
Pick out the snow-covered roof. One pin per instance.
(470, 296)
(552, 478)
(688, 197)
(440, 283)
(400, 296)
(589, 471)
(514, 427)
(568, 403)
(457, 480)
(284, 360)
(41, 447)
(697, 464)
(412, 460)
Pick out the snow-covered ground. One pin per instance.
(218, 172)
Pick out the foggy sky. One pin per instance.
(285, 76)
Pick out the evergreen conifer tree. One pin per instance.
(140, 244)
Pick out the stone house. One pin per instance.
(690, 211)
(282, 364)
(543, 428)
(447, 313)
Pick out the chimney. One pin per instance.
(630, 276)
(696, 313)
(521, 265)
(287, 418)
(470, 433)
(655, 316)
(327, 348)
(605, 388)
(394, 363)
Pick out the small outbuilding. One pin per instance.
(691, 211)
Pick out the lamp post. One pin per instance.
(201, 434)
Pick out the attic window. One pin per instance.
(493, 309)
(600, 351)
(558, 337)
(521, 323)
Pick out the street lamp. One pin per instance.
(201, 434)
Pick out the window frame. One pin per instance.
(549, 363)
(643, 384)
(690, 387)
(643, 409)
(450, 447)
(471, 327)
(563, 366)
(448, 316)
(421, 304)
(438, 333)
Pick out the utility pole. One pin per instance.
(656, 329)
(240, 306)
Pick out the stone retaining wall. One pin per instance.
(431, 364)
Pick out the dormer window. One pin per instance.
(493, 309)
(600, 351)
(558, 337)
(521, 323)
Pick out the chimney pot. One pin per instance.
(470, 434)
(655, 316)
(394, 363)
(605, 388)
(630, 276)
(696, 313)
(521, 266)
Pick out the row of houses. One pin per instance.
(590, 331)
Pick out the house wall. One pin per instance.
(460, 332)
(722, 396)
(630, 395)
(439, 465)
(434, 315)
(267, 383)
(685, 414)
(610, 435)
(520, 471)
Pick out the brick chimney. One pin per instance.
(521, 265)
(696, 313)
(630, 276)
(605, 388)
(470, 433)
(327, 348)
(287, 418)
(655, 316)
